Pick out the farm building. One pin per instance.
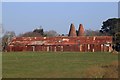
(72, 42)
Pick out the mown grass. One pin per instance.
(52, 64)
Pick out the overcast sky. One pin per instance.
(26, 16)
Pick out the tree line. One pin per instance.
(110, 27)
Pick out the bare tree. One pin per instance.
(6, 38)
(51, 33)
(30, 34)
(90, 32)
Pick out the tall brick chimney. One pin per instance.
(81, 30)
(72, 31)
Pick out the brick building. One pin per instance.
(72, 42)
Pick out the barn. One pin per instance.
(73, 42)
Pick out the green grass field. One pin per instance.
(52, 64)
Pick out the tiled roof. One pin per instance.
(60, 40)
